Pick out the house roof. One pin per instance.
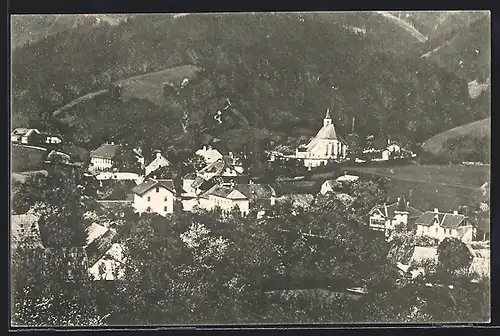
(225, 192)
(209, 154)
(160, 158)
(446, 220)
(198, 181)
(347, 177)
(221, 167)
(189, 176)
(302, 200)
(24, 131)
(106, 151)
(256, 191)
(150, 183)
(99, 246)
(388, 210)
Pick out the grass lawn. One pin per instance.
(434, 186)
(27, 158)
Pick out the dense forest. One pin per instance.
(280, 73)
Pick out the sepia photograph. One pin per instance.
(260, 168)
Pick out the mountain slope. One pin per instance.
(33, 28)
(280, 72)
(469, 142)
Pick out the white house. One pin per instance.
(329, 186)
(158, 162)
(385, 217)
(24, 135)
(391, 149)
(53, 138)
(225, 197)
(155, 196)
(245, 196)
(440, 225)
(101, 159)
(209, 154)
(324, 147)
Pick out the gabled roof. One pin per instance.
(402, 206)
(388, 210)
(327, 132)
(347, 177)
(209, 154)
(106, 151)
(256, 191)
(225, 192)
(446, 220)
(160, 158)
(302, 200)
(24, 131)
(198, 181)
(150, 183)
(221, 167)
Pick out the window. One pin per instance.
(437, 230)
(157, 189)
(149, 198)
(148, 209)
(165, 209)
(166, 199)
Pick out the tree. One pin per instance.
(125, 161)
(41, 299)
(454, 256)
(60, 205)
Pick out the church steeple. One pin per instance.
(328, 119)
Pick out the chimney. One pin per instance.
(158, 154)
(407, 204)
(455, 212)
(436, 210)
(204, 148)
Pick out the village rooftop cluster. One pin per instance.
(223, 183)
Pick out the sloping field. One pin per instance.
(27, 158)
(477, 129)
(60, 113)
(434, 186)
(150, 86)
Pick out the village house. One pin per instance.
(334, 185)
(53, 139)
(101, 159)
(97, 259)
(25, 135)
(391, 150)
(326, 146)
(297, 200)
(219, 171)
(385, 217)
(245, 196)
(156, 196)
(158, 162)
(440, 225)
(209, 154)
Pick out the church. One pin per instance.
(324, 147)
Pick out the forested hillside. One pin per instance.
(278, 71)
